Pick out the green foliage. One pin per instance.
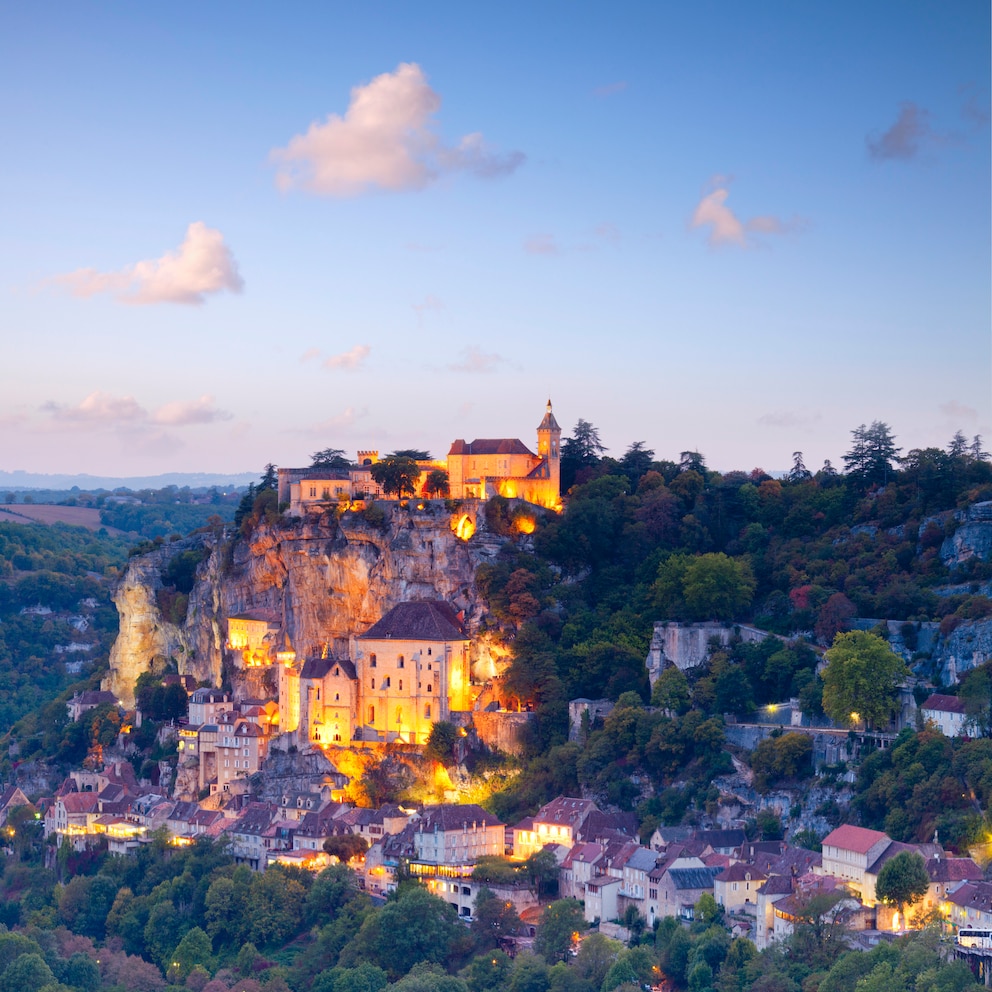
(559, 922)
(777, 759)
(903, 880)
(441, 742)
(397, 474)
(862, 677)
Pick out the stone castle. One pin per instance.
(476, 469)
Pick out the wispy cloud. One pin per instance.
(958, 411)
(904, 139)
(180, 413)
(310, 355)
(202, 265)
(607, 232)
(788, 418)
(542, 244)
(726, 228)
(431, 304)
(100, 409)
(975, 108)
(346, 418)
(385, 140)
(475, 361)
(350, 360)
(610, 89)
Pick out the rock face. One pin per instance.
(326, 578)
(972, 538)
(687, 645)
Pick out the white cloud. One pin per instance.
(353, 359)
(179, 413)
(542, 244)
(201, 265)
(725, 227)
(475, 360)
(386, 140)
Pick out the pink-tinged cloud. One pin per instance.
(726, 228)
(99, 409)
(905, 137)
(352, 359)
(958, 411)
(476, 361)
(202, 265)
(610, 89)
(385, 140)
(542, 244)
(179, 413)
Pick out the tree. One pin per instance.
(861, 680)
(270, 479)
(494, 919)
(194, 949)
(717, 587)
(902, 881)
(344, 847)
(671, 691)
(636, 462)
(415, 454)
(799, 472)
(330, 459)
(560, 922)
(397, 474)
(436, 483)
(976, 694)
(833, 617)
(580, 451)
(869, 462)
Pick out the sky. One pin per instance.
(238, 233)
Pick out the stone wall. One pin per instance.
(687, 645)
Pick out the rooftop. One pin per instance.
(427, 621)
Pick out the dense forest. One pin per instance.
(188, 918)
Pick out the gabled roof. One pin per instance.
(455, 816)
(896, 847)
(973, 895)
(427, 621)
(693, 878)
(722, 838)
(851, 838)
(944, 704)
(953, 870)
(490, 446)
(740, 872)
(81, 802)
(318, 668)
(565, 809)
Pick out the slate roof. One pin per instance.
(318, 668)
(722, 838)
(973, 895)
(778, 885)
(490, 446)
(693, 878)
(598, 824)
(896, 847)
(426, 621)
(740, 872)
(454, 816)
(565, 809)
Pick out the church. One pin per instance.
(407, 671)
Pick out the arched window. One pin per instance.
(372, 661)
(400, 662)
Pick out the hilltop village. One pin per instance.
(332, 689)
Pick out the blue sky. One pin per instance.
(236, 233)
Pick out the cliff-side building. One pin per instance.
(507, 467)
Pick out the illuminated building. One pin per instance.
(507, 467)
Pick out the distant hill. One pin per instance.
(195, 480)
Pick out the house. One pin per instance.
(736, 887)
(11, 798)
(255, 635)
(945, 875)
(327, 690)
(775, 889)
(453, 834)
(679, 889)
(969, 904)
(946, 713)
(848, 853)
(507, 467)
(557, 822)
(207, 705)
(247, 832)
(83, 702)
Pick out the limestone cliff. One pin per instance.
(326, 578)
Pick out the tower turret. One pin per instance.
(549, 448)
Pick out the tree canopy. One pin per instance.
(861, 680)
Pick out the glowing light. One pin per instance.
(465, 527)
(855, 717)
(524, 525)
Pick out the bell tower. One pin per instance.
(549, 449)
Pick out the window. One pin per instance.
(388, 682)
(313, 491)
(246, 752)
(400, 662)
(372, 661)
(337, 697)
(371, 714)
(428, 652)
(373, 683)
(401, 685)
(337, 671)
(428, 666)
(427, 711)
(326, 493)
(429, 687)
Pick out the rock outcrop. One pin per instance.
(326, 578)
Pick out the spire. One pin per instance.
(549, 423)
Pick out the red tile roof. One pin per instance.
(851, 838)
